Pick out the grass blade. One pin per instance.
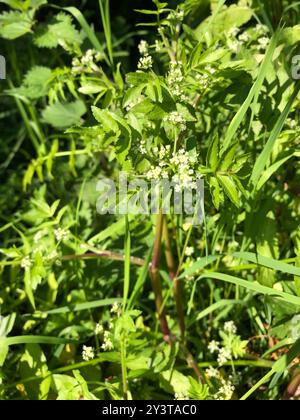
(255, 287)
(238, 118)
(83, 306)
(266, 153)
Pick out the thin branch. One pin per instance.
(104, 254)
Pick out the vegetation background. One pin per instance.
(149, 307)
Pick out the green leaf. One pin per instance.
(254, 91)
(59, 32)
(34, 84)
(36, 339)
(64, 115)
(198, 265)
(268, 262)
(230, 188)
(33, 363)
(83, 306)
(267, 150)
(14, 24)
(3, 350)
(256, 287)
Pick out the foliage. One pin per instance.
(86, 310)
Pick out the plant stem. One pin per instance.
(177, 288)
(104, 254)
(156, 283)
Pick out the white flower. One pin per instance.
(143, 47)
(145, 63)
(189, 251)
(203, 80)
(261, 29)
(107, 343)
(264, 42)
(232, 33)
(230, 327)
(223, 356)
(88, 353)
(177, 119)
(292, 124)
(211, 372)
(99, 329)
(226, 391)
(61, 234)
(234, 45)
(244, 37)
(26, 263)
(116, 308)
(213, 346)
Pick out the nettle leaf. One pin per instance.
(64, 115)
(14, 24)
(34, 85)
(60, 31)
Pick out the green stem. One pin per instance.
(177, 285)
(155, 279)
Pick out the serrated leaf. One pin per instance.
(35, 83)
(60, 31)
(14, 24)
(64, 115)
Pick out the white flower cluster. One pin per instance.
(176, 17)
(145, 63)
(225, 391)
(175, 78)
(87, 62)
(292, 124)
(176, 119)
(88, 353)
(179, 163)
(116, 309)
(26, 263)
(189, 251)
(203, 80)
(142, 147)
(224, 353)
(230, 327)
(244, 37)
(232, 42)
(143, 47)
(184, 172)
(61, 234)
(263, 42)
(99, 329)
(107, 342)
